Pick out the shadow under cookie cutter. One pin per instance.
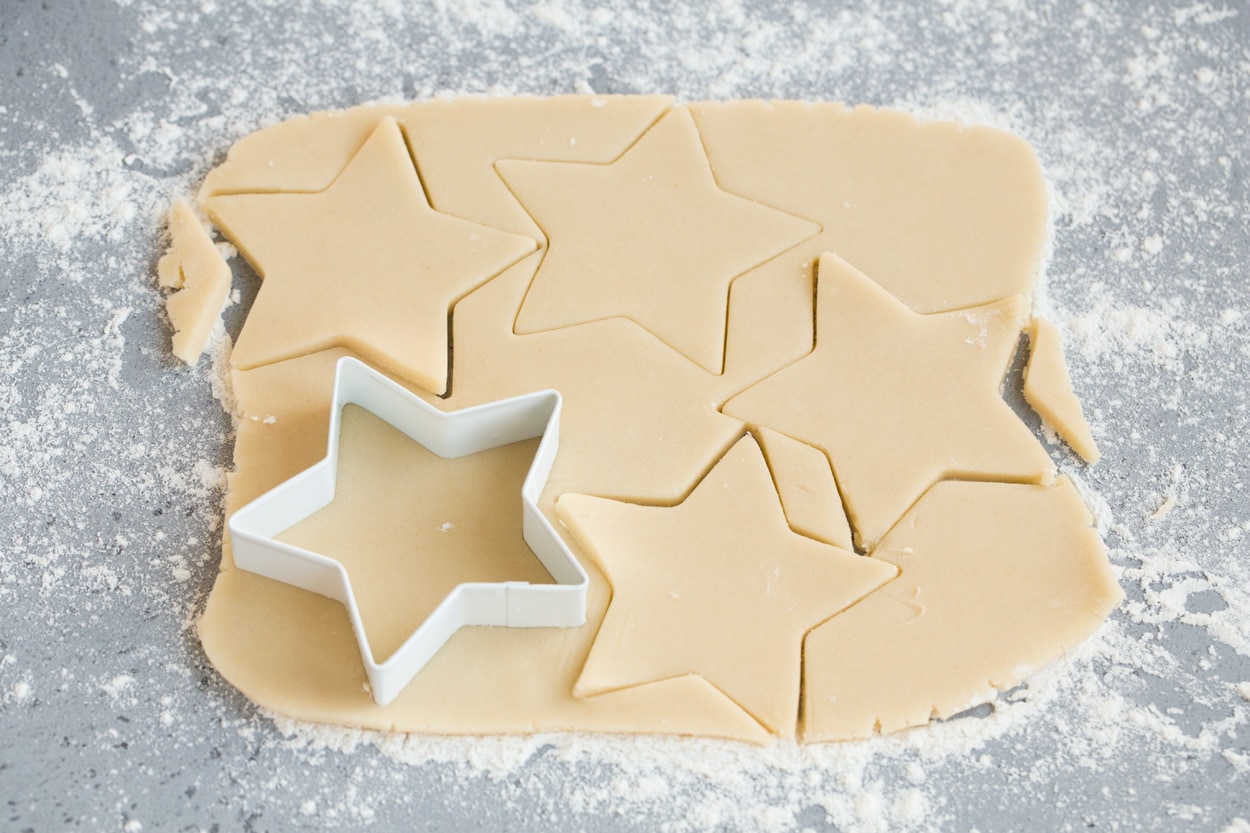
(511, 604)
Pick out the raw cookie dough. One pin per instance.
(200, 278)
(983, 598)
(618, 241)
(950, 220)
(807, 489)
(942, 215)
(308, 664)
(408, 525)
(900, 400)
(1048, 389)
(336, 262)
(719, 576)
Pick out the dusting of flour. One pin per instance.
(113, 458)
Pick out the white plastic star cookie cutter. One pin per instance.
(448, 434)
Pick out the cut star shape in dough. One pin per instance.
(338, 263)
(650, 237)
(716, 586)
(900, 400)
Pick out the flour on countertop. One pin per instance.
(113, 458)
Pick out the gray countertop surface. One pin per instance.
(111, 453)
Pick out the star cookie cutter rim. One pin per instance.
(449, 434)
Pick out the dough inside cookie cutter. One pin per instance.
(448, 434)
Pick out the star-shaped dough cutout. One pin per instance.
(650, 237)
(744, 631)
(339, 263)
(900, 400)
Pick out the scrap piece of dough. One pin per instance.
(649, 237)
(899, 400)
(456, 143)
(717, 586)
(200, 278)
(995, 581)
(338, 264)
(942, 215)
(1048, 390)
(308, 665)
(409, 526)
(808, 492)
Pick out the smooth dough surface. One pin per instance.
(336, 262)
(409, 525)
(698, 585)
(618, 241)
(725, 435)
(982, 599)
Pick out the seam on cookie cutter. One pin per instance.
(513, 604)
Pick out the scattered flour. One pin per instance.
(113, 458)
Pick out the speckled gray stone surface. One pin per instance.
(110, 452)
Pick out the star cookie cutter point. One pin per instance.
(448, 434)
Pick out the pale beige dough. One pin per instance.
(718, 577)
(409, 525)
(899, 400)
(941, 215)
(1048, 389)
(995, 580)
(952, 218)
(807, 489)
(307, 664)
(619, 241)
(336, 262)
(200, 278)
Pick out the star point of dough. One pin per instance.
(899, 400)
(338, 263)
(650, 237)
(717, 586)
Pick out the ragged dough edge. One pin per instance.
(200, 279)
(1037, 288)
(1048, 390)
(1091, 602)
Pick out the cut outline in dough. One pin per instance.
(758, 554)
(448, 434)
(810, 509)
(784, 400)
(426, 710)
(1051, 600)
(656, 141)
(291, 273)
(421, 153)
